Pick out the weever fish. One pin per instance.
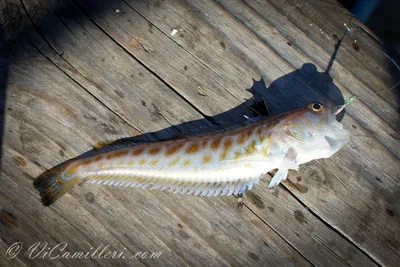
(216, 164)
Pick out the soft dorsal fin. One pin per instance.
(222, 127)
(111, 146)
(208, 130)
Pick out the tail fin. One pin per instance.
(57, 181)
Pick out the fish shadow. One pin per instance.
(291, 91)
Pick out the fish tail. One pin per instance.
(57, 181)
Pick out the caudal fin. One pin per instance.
(57, 181)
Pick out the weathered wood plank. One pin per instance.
(197, 30)
(206, 66)
(178, 19)
(306, 232)
(46, 119)
(113, 77)
(21, 166)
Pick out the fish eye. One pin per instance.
(316, 107)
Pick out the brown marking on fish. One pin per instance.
(137, 152)
(73, 169)
(154, 151)
(223, 155)
(215, 144)
(109, 156)
(206, 159)
(98, 158)
(192, 149)
(87, 162)
(121, 153)
(260, 135)
(204, 144)
(172, 150)
(273, 122)
(241, 138)
(228, 144)
(249, 133)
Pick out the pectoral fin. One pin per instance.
(280, 175)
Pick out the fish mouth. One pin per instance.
(337, 136)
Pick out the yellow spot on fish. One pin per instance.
(247, 165)
(154, 151)
(186, 163)
(142, 162)
(120, 163)
(192, 149)
(293, 134)
(130, 163)
(237, 155)
(269, 139)
(215, 144)
(154, 162)
(174, 162)
(250, 149)
(266, 151)
(138, 152)
(101, 165)
(206, 159)
(223, 155)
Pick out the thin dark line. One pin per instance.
(187, 51)
(276, 232)
(211, 120)
(79, 84)
(330, 226)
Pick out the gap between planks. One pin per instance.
(120, 116)
(169, 86)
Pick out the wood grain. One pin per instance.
(81, 72)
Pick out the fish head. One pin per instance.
(314, 130)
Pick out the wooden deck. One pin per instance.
(81, 72)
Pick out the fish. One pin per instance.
(217, 164)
